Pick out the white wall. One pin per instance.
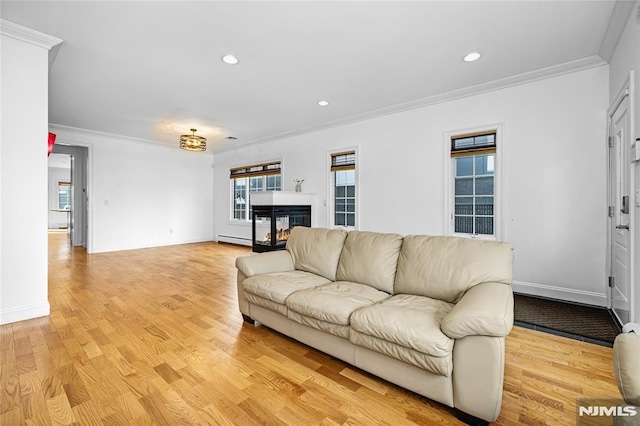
(23, 181)
(554, 175)
(143, 194)
(626, 58)
(56, 219)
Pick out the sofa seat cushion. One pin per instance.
(266, 303)
(409, 321)
(334, 302)
(441, 365)
(278, 286)
(328, 327)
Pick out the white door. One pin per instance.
(619, 208)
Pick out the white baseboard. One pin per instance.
(561, 293)
(23, 313)
(150, 244)
(234, 240)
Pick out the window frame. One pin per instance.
(331, 218)
(498, 177)
(68, 190)
(248, 177)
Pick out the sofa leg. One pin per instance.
(469, 419)
(248, 319)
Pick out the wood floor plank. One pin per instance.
(154, 336)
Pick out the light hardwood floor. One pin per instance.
(154, 336)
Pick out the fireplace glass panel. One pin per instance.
(262, 222)
(272, 225)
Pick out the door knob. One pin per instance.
(623, 226)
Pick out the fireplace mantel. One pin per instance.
(282, 198)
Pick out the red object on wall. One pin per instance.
(52, 140)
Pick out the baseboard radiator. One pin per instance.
(234, 240)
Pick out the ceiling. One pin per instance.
(152, 69)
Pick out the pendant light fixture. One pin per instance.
(192, 142)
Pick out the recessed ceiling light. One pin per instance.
(473, 56)
(230, 59)
(323, 103)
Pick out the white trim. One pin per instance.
(499, 178)
(627, 90)
(77, 134)
(491, 86)
(615, 27)
(23, 313)
(162, 243)
(234, 240)
(330, 189)
(27, 35)
(561, 293)
(68, 136)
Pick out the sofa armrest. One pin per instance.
(485, 310)
(626, 363)
(265, 263)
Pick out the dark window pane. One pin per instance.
(464, 166)
(463, 224)
(484, 206)
(485, 164)
(484, 186)
(255, 183)
(351, 191)
(340, 219)
(340, 191)
(351, 219)
(464, 186)
(464, 210)
(484, 225)
(463, 143)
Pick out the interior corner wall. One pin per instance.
(143, 194)
(626, 58)
(23, 181)
(554, 175)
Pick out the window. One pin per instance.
(474, 194)
(64, 195)
(248, 179)
(343, 170)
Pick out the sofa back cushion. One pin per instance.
(444, 268)
(316, 250)
(370, 258)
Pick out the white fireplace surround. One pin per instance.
(284, 198)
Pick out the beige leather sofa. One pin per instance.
(626, 363)
(427, 313)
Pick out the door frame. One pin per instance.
(625, 94)
(80, 203)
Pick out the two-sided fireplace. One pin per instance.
(273, 224)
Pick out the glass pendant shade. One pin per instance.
(192, 142)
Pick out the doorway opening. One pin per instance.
(68, 196)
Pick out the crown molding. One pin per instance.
(27, 35)
(491, 86)
(622, 9)
(77, 135)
